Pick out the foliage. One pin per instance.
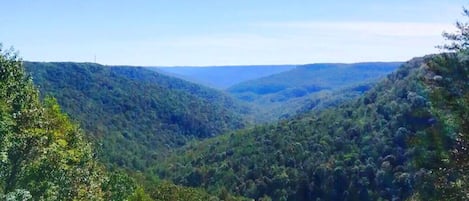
(450, 104)
(119, 186)
(170, 192)
(18, 194)
(139, 195)
(459, 39)
(43, 155)
(166, 191)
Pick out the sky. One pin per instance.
(225, 32)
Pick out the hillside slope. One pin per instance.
(135, 114)
(394, 143)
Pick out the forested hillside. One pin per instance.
(312, 86)
(136, 115)
(406, 138)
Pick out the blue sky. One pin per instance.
(231, 32)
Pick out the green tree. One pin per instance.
(139, 195)
(43, 155)
(450, 101)
(459, 40)
(119, 186)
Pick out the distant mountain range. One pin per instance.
(222, 77)
(314, 77)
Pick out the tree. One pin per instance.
(43, 155)
(459, 39)
(450, 105)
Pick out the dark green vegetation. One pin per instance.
(222, 77)
(135, 115)
(386, 145)
(312, 86)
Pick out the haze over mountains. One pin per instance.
(222, 77)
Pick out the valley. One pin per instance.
(234, 101)
(140, 120)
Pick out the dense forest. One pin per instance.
(136, 116)
(390, 144)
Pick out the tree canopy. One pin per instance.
(43, 155)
